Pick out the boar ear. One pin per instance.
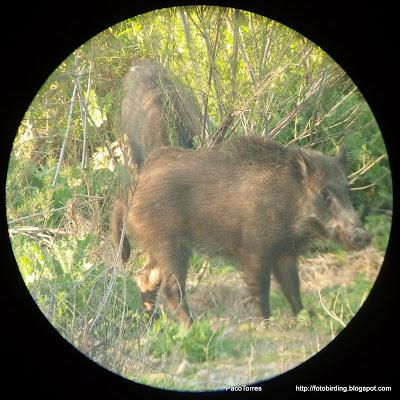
(301, 165)
(342, 156)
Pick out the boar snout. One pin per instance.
(349, 231)
(359, 238)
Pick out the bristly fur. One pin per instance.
(252, 149)
(249, 200)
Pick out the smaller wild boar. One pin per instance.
(156, 110)
(252, 201)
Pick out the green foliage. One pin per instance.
(364, 147)
(379, 227)
(30, 191)
(330, 312)
(217, 265)
(278, 303)
(70, 288)
(337, 305)
(196, 263)
(198, 344)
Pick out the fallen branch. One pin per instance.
(36, 215)
(47, 232)
(53, 210)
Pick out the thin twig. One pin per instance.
(330, 313)
(84, 160)
(102, 131)
(314, 88)
(66, 133)
(37, 230)
(370, 185)
(53, 210)
(355, 175)
(36, 215)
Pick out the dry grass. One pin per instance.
(329, 269)
(229, 294)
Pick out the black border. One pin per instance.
(36, 37)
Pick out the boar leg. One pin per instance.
(149, 283)
(287, 274)
(174, 285)
(257, 276)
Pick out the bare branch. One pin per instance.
(38, 231)
(186, 30)
(332, 314)
(246, 57)
(370, 185)
(66, 133)
(314, 88)
(53, 210)
(355, 175)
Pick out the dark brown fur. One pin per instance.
(156, 110)
(252, 201)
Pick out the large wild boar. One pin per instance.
(156, 110)
(252, 201)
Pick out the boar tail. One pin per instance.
(117, 229)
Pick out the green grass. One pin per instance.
(198, 344)
(336, 305)
(73, 290)
(379, 227)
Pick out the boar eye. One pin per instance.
(325, 194)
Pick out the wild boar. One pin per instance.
(156, 110)
(253, 201)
